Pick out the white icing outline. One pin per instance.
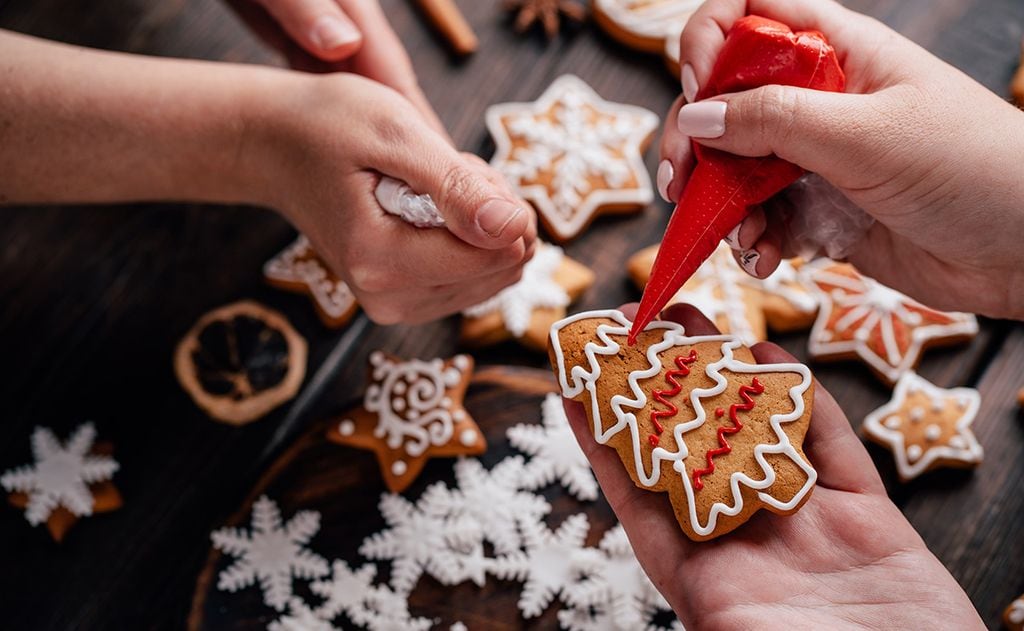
(785, 283)
(643, 121)
(893, 366)
(912, 382)
(586, 378)
(648, 19)
(332, 295)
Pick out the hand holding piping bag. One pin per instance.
(757, 51)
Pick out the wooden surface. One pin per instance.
(95, 299)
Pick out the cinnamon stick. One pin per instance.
(445, 16)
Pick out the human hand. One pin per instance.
(848, 558)
(338, 36)
(930, 154)
(323, 141)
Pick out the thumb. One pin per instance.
(319, 26)
(830, 133)
(475, 207)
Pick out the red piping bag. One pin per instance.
(722, 188)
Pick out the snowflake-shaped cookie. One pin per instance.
(354, 594)
(270, 553)
(298, 268)
(412, 411)
(616, 584)
(573, 154)
(62, 477)
(555, 453)
(926, 426)
(717, 290)
(527, 309)
(862, 318)
(300, 618)
(549, 565)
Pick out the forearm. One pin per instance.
(79, 125)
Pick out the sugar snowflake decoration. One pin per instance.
(354, 594)
(555, 453)
(61, 474)
(271, 553)
(300, 618)
(548, 565)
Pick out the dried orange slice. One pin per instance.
(241, 361)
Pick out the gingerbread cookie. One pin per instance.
(1013, 616)
(411, 412)
(643, 24)
(66, 482)
(927, 427)
(672, 48)
(691, 416)
(525, 311)
(298, 269)
(789, 304)
(717, 290)
(861, 318)
(573, 155)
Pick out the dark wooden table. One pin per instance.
(95, 298)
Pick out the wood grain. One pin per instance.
(96, 297)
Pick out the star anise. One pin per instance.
(544, 12)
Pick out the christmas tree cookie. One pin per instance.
(694, 417)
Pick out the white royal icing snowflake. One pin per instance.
(271, 553)
(555, 453)
(548, 566)
(60, 475)
(354, 594)
(616, 584)
(300, 618)
(537, 289)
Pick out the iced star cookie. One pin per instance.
(694, 417)
(861, 318)
(525, 311)
(412, 411)
(573, 155)
(717, 290)
(67, 481)
(643, 24)
(789, 304)
(1013, 616)
(298, 269)
(927, 427)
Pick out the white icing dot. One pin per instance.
(892, 422)
(932, 432)
(957, 442)
(372, 391)
(916, 414)
(437, 363)
(913, 452)
(938, 405)
(377, 358)
(459, 415)
(399, 387)
(398, 404)
(446, 402)
(467, 437)
(346, 427)
(399, 467)
(461, 362)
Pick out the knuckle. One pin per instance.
(459, 185)
(383, 312)
(777, 110)
(371, 279)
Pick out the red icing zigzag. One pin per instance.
(671, 410)
(756, 387)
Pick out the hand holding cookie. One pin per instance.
(826, 565)
(350, 132)
(925, 150)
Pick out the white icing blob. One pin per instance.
(346, 427)
(399, 467)
(468, 437)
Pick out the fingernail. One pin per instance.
(330, 32)
(665, 175)
(495, 215)
(733, 238)
(748, 260)
(690, 86)
(705, 119)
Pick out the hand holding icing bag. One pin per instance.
(757, 52)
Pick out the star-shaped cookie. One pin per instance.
(789, 305)
(860, 317)
(299, 269)
(66, 482)
(717, 290)
(644, 24)
(927, 427)
(525, 311)
(573, 155)
(412, 411)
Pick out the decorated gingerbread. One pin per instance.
(789, 304)
(298, 268)
(694, 417)
(573, 155)
(927, 427)
(861, 318)
(1013, 616)
(526, 310)
(412, 411)
(644, 24)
